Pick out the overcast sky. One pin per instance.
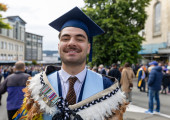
(38, 14)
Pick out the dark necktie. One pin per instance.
(71, 95)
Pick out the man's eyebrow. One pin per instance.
(65, 35)
(80, 35)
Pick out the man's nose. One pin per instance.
(72, 41)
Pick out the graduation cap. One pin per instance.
(76, 18)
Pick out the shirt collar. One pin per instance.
(80, 75)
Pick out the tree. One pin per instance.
(121, 20)
(2, 24)
(34, 62)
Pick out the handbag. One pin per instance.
(130, 85)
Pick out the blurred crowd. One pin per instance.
(125, 75)
(6, 70)
(115, 70)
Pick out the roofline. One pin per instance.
(34, 34)
(17, 16)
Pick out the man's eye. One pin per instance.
(80, 40)
(65, 39)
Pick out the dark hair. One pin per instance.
(114, 65)
(127, 64)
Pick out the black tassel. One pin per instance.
(77, 117)
(58, 116)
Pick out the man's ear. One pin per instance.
(89, 47)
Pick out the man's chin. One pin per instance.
(73, 62)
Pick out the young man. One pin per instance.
(74, 82)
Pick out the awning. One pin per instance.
(152, 48)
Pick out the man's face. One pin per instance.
(73, 46)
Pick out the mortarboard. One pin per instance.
(76, 18)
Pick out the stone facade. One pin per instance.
(16, 45)
(12, 40)
(157, 42)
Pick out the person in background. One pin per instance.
(141, 78)
(101, 69)
(5, 73)
(126, 81)
(154, 85)
(152, 65)
(114, 72)
(34, 71)
(95, 69)
(14, 84)
(166, 80)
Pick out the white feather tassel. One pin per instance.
(102, 109)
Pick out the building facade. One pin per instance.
(33, 47)
(17, 44)
(12, 40)
(157, 32)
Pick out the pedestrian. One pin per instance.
(141, 78)
(95, 69)
(127, 81)
(74, 83)
(114, 72)
(101, 69)
(166, 80)
(154, 85)
(14, 84)
(5, 73)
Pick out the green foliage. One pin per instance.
(34, 62)
(2, 24)
(121, 20)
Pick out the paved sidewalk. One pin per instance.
(137, 113)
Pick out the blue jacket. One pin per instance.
(155, 78)
(14, 84)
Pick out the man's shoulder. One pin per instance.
(108, 81)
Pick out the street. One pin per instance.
(138, 106)
(3, 111)
(140, 99)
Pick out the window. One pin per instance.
(28, 42)
(12, 48)
(4, 57)
(28, 35)
(8, 32)
(5, 45)
(2, 45)
(16, 47)
(157, 18)
(1, 58)
(9, 46)
(17, 30)
(14, 33)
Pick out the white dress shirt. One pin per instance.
(65, 83)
